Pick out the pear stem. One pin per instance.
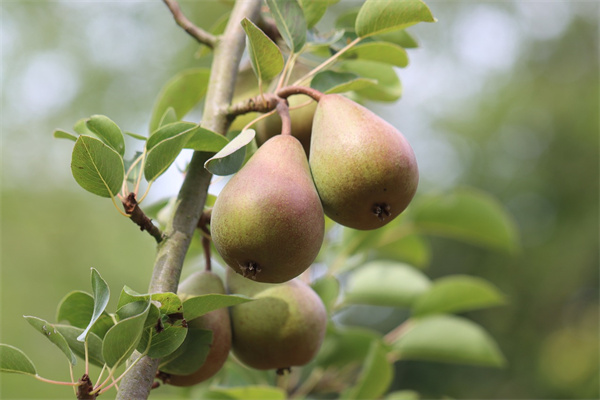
(292, 90)
(284, 113)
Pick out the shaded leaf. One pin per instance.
(190, 355)
(71, 333)
(343, 346)
(457, 293)
(96, 167)
(467, 214)
(412, 249)
(182, 93)
(13, 360)
(339, 82)
(122, 339)
(380, 16)
(101, 294)
(169, 117)
(164, 342)
(328, 289)
(128, 295)
(388, 87)
(108, 132)
(290, 22)
(81, 127)
(375, 376)
(387, 53)
(49, 331)
(197, 306)
(231, 157)
(447, 338)
(206, 140)
(136, 136)
(77, 308)
(60, 134)
(385, 283)
(400, 37)
(265, 56)
(313, 11)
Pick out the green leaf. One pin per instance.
(170, 303)
(128, 295)
(388, 87)
(77, 308)
(400, 37)
(181, 93)
(328, 289)
(14, 360)
(412, 249)
(122, 339)
(60, 134)
(197, 306)
(313, 11)
(206, 140)
(343, 346)
(386, 283)
(403, 395)
(457, 293)
(448, 338)
(262, 392)
(96, 167)
(339, 82)
(169, 117)
(81, 127)
(387, 53)
(290, 21)
(164, 342)
(101, 296)
(49, 331)
(231, 157)
(136, 136)
(108, 132)
(379, 16)
(71, 333)
(165, 145)
(190, 355)
(375, 377)
(265, 56)
(469, 215)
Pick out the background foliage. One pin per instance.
(503, 96)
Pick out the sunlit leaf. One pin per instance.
(385, 283)
(197, 306)
(403, 395)
(375, 376)
(49, 331)
(313, 11)
(170, 303)
(388, 87)
(101, 294)
(97, 167)
(387, 53)
(447, 338)
(457, 293)
(412, 249)
(15, 361)
(60, 134)
(290, 22)
(231, 157)
(339, 82)
(169, 117)
(379, 16)
(265, 56)
(469, 215)
(181, 93)
(108, 132)
(206, 140)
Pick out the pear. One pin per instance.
(283, 327)
(218, 321)
(267, 223)
(364, 169)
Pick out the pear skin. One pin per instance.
(364, 169)
(283, 327)
(267, 223)
(218, 321)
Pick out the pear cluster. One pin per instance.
(268, 221)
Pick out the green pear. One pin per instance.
(217, 321)
(364, 169)
(267, 223)
(283, 327)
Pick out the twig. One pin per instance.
(138, 217)
(283, 110)
(292, 90)
(197, 33)
(265, 103)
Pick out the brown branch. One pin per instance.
(197, 33)
(261, 103)
(85, 388)
(136, 214)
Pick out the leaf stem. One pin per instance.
(39, 378)
(327, 62)
(284, 113)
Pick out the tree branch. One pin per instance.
(197, 33)
(136, 214)
(192, 195)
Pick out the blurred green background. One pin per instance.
(501, 95)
